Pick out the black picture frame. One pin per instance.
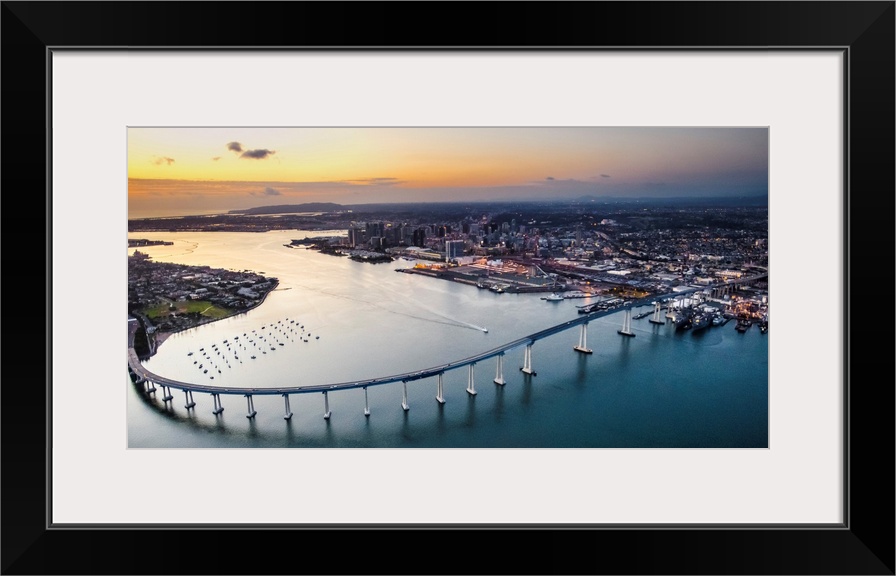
(863, 30)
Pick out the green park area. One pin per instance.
(187, 307)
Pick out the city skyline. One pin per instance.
(190, 171)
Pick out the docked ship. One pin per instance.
(701, 321)
(743, 325)
(553, 297)
(682, 319)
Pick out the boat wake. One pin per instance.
(445, 320)
(452, 321)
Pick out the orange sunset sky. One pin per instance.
(183, 171)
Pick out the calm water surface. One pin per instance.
(659, 389)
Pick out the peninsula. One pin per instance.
(168, 298)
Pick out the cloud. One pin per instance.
(216, 158)
(259, 154)
(159, 160)
(235, 146)
(555, 182)
(268, 191)
(374, 181)
(604, 175)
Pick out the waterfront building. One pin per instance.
(355, 237)
(453, 249)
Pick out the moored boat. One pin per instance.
(682, 319)
(701, 321)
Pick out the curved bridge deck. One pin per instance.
(137, 368)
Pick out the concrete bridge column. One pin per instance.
(167, 391)
(527, 361)
(471, 389)
(583, 344)
(287, 412)
(216, 399)
(326, 406)
(188, 398)
(499, 373)
(404, 395)
(439, 396)
(149, 386)
(626, 324)
(250, 407)
(657, 314)
(366, 403)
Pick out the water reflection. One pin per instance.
(374, 321)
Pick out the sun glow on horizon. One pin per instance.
(176, 169)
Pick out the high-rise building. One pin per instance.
(356, 237)
(420, 237)
(453, 249)
(374, 229)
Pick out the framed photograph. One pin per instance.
(275, 174)
(505, 274)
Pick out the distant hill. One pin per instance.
(726, 201)
(329, 207)
(292, 208)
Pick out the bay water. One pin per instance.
(660, 389)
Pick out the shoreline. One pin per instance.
(160, 337)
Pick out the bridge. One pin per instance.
(140, 375)
(731, 284)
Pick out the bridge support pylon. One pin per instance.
(583, 345)
(148, 386)
(366, 403)
(188, 398)
(499, 373)
(657, 314)
(439, 395)
(326, 406)
(626, 323)
(216, 399)
(471, 389)
(287, 413)
(527, 361)
(250, 407)
(167, 391)
(404, 395)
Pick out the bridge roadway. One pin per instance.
(139, 370)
